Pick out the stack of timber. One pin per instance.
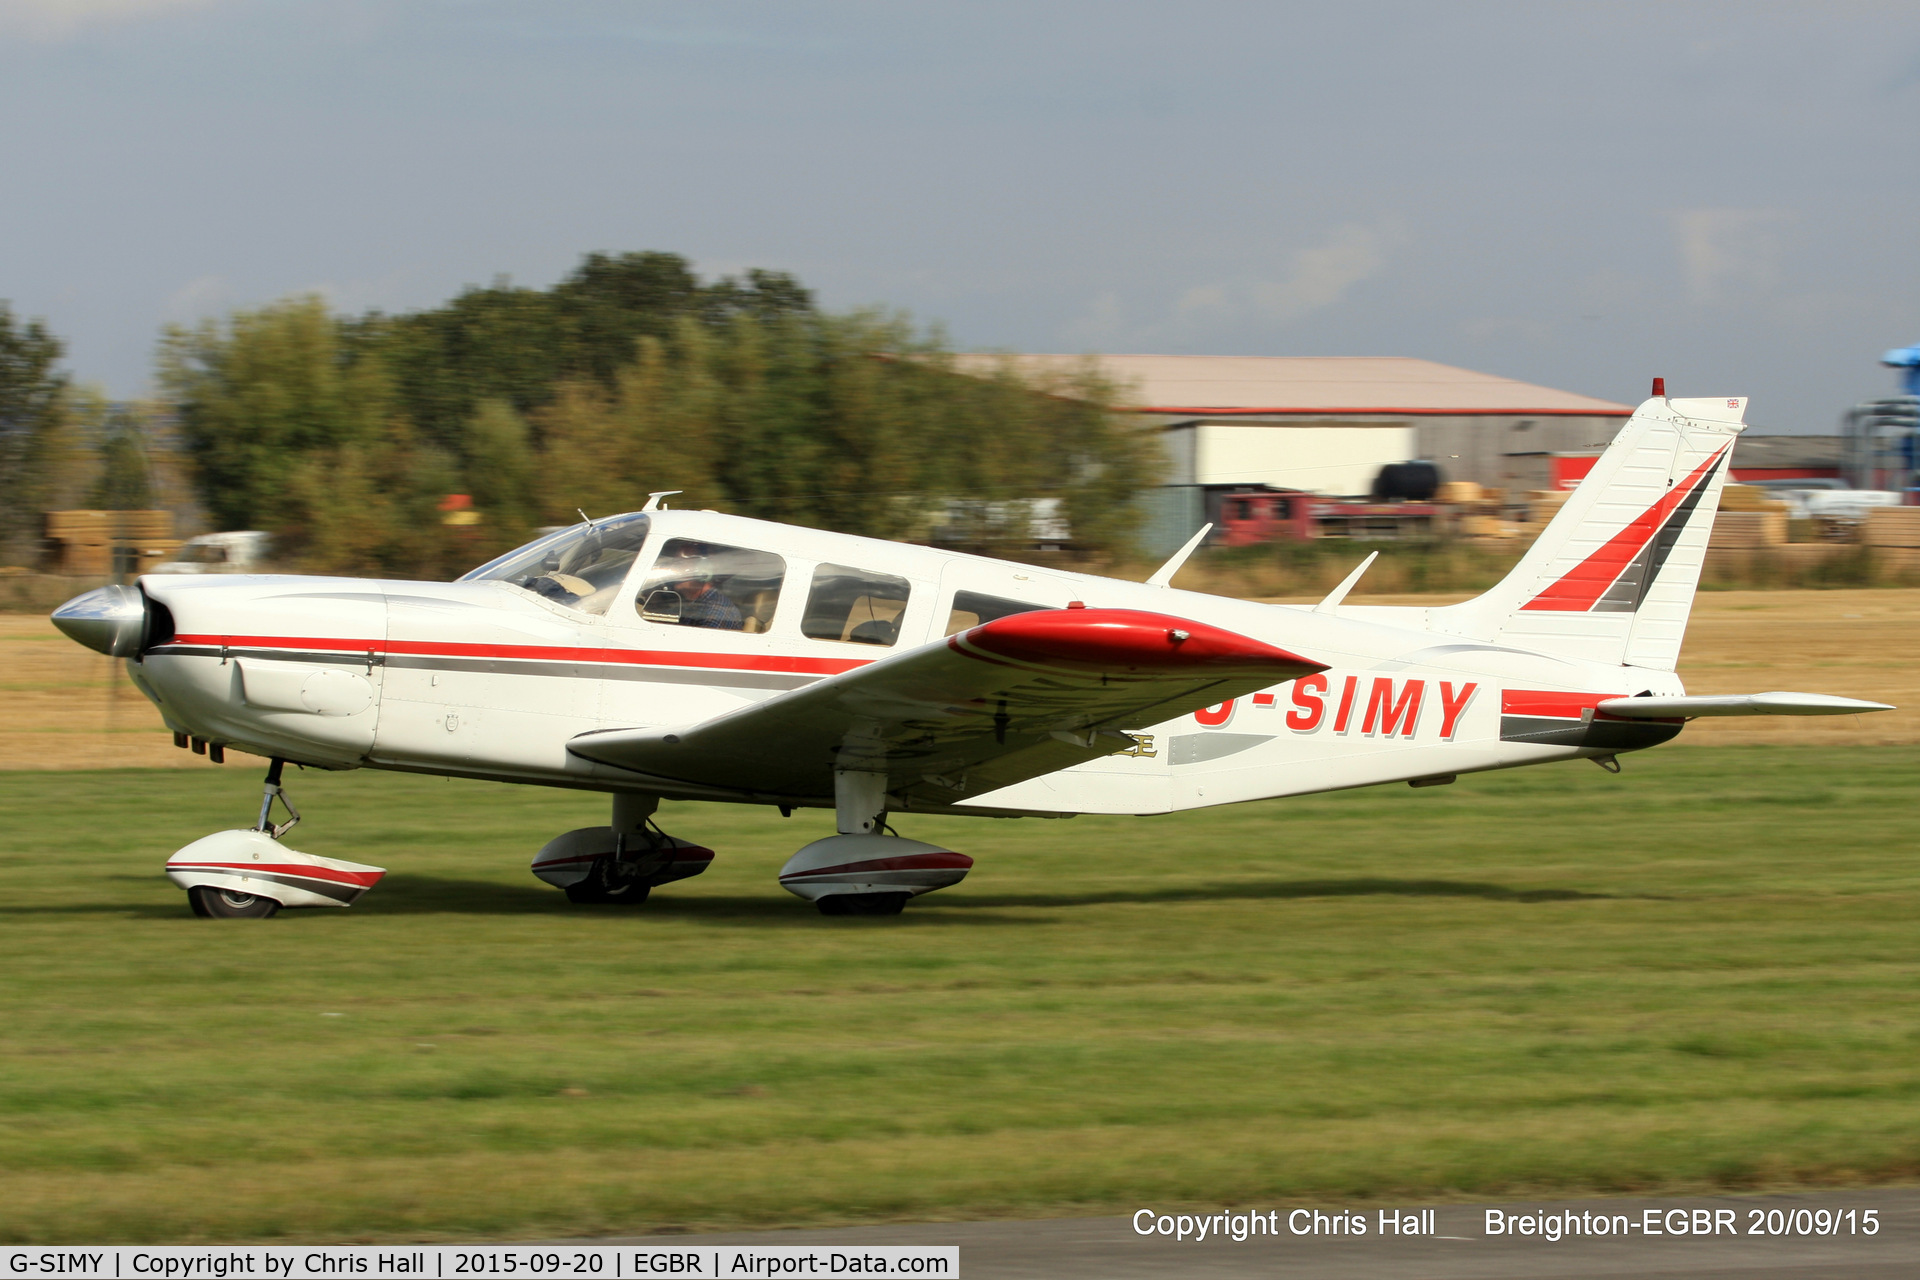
(1747, 497)
(1893, 527)
(1745, 530)
(1542, 506)
(88, 543)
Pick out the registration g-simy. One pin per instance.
(1367, 705)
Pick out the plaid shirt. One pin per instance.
(710, 608)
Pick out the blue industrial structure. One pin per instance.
(1883, 436)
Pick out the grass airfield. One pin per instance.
(1700, 974)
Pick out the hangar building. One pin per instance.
(1329, 423)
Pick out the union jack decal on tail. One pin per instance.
(1616, 578)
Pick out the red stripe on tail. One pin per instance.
(1587, 581)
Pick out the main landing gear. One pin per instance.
(250, 875)
(861, 871)
(619, 864)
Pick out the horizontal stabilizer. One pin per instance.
(1738, 704)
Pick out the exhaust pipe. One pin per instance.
(112, 620)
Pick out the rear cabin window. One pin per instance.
(857, 606)
(705, 584)
(970, 609)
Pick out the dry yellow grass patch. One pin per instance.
(65, 707)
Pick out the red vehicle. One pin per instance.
(1260, 515)
(1248, 517)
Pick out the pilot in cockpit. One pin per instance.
(702, 604)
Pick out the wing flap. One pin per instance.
(1739, 704)
(1011, 699)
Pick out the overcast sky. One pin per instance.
(1581, 195)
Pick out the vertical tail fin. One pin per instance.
(1612, 578)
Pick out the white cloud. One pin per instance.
(199, 299)
(1316, 278)
(52, 20)
(1321, 276)
(1103, 323)
(1730, 253)
(1312, 279)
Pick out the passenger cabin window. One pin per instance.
(704, 584)
(581, 567)
(970, 609)
(854, 605)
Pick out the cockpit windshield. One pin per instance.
(581, 567)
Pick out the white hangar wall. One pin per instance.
(1343, 455)
(1323, 456)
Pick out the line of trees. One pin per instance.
(63, 445)
(345, 435)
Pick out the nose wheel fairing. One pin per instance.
(254, 864)
(250, 874)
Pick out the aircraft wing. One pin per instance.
(1738, 704)
(1008, 700)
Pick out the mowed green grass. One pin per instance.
(1699, 974)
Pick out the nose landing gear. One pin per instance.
(250, 875)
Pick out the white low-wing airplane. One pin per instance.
(695, 655)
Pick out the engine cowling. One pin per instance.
(869, 864)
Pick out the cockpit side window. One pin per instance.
(971, 608)
(581, 567)
(857, 606)
(704, 584)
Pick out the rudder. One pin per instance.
(1612, 577)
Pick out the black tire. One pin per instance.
(609, 883)
(862, 904)
(212, 903)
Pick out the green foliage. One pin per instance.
(264, 396)
(1387, 994)
(519, 345)
(630, 375)
(35, 430)
(126, 480)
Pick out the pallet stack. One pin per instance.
(1542, 506)
(1746, 530)
(98, 544)
(1893, 527)
(1478, 510)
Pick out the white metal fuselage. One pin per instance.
(488, 680)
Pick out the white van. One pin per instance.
(239, 551)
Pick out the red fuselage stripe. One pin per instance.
(303, 870)
(1537, 702)
(551, 653)
(1587, 581)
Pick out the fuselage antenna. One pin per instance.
(653, 499)
(589, 519)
